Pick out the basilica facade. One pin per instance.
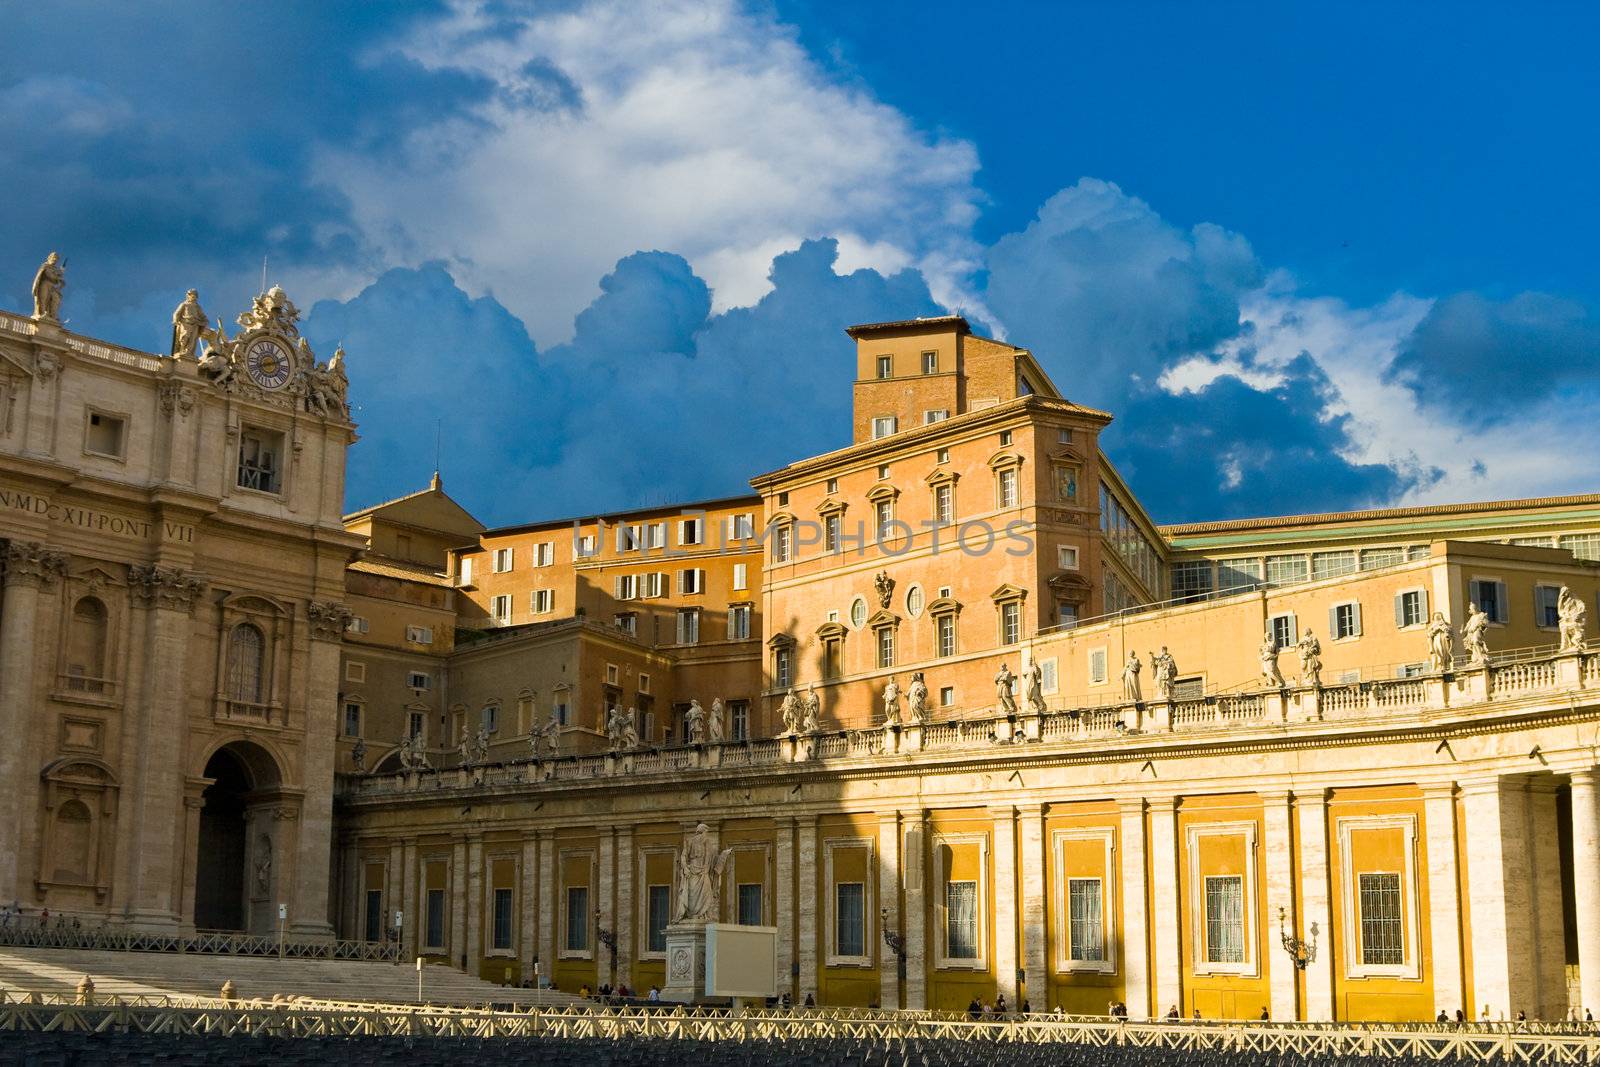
(960, 719)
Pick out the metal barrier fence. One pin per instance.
(1311, 1042)
(26, 932)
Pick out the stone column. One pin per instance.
(605, 910)
(192, 803)
(1586, 885)
(809, 895)
(624, 913)
(1498, 874)
(783, 897)
(1279, 863)
(474, 895)
(309, 911)
(1135, 898)
(1314, 902)
(1005, 902)
(352, 908)
(459, 879)
(410, 895)
(888, 851)
(549, 877)
(1549, 944)
(1035, 860)
(1444, 899)
(168, 598)
(1165, 921)
(527, 901)
(29, 567)
(394, 890)
(914, 863)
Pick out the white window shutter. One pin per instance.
(1333, 623)
(1422, 602)
(1399, 610)
(1294, 629)
(1502, 606)
(1356, 607)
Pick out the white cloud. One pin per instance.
(695, 127)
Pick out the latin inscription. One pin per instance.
(89, 519)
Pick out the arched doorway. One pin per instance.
(242, 776)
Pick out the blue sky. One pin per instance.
(1313, 256)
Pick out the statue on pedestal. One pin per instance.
(715, 729)
(1474, 636)
(630, 730)
(1441, 643)
(789, 710)
(1271, 677)
(358, 755)
(1310, 650)
(1130, 679)
(917, 699)
(1165, 669)
(891, 703)
(616, 723)
(1035, 689)
(694, 722)
(699, 870)
(1005, 691)
(189, 325)
(548, 736)
(47, 285)
(810, 710)
(1574, 618)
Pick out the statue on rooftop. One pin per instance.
(1130, 679)
(810, 710)
(616, 722)
(1310, 650)
(917, 699)
(1005, 691)
(189, 325)
(1165, 669)
(1574, 616)
(1271, 677)
(547, 735)
(47, 285)
(1441, 643)
(630, 730)
(694, 722)
(789, 710)
(716, 731)
(1035, 689)
(1474, 636)
(891, 703)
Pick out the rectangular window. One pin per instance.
(433, 935)
(850, 919)
(355, 672)
(749, 899)
(588, 545)
(374, 915)
(884, 425)
(501, 608)
(419, 681)
(260, 460)
(1382, 933)
(783, 668)
(1191, 580)
(1010, 623)
(830, 533)
(658, 909)
(1066, 614)
(104, 434)
(627, 587)
(1490, 596)
(502, 919)
(1344, 620)
(577, 918)
(1285, 570)
(502, 559)
(1376, 558)
(1005, 437)
(885, 366)
(1067, 557)
(961, 920)
(832, 658)
(930, 362)
(1583, 546)
(947, 696)
(1236, 575)
(1545, 613)
(1097, 666)
(357, 625)
(1086, 935)
(655, 535)
(744, 526)
(1008, 489)
(885, 646)
(629, 538)
(1411, 608)
(544, 554)
(1284, 631)
(782, 543)
(627, 622)
(692, 580)
(931, 417)
(489, 718)
(739, 720)
(689, 626)
(464, 571)
(544, 601)
(417, 724)
(1332, 564)
(352, 719)
(945, 627)
(883, 513)
(738, 622)
(944, 504)
(691, 531)
(741, 576)
(1224, 919)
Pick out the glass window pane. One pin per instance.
(1225, 919)
(657, 908)
(1085, 919)
(1382, 935)
(961, 920)
(850, 934)
(577, 918)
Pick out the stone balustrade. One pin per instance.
(1293, 707)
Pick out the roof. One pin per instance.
(447, 516)
(631, 513)
(868, 328)
(389, 567)
(1376, 514)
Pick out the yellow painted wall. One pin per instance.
(1218, 995)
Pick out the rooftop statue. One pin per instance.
(1474, 636)
(1035, 694)
(1271, 677)
(810, 710)
(1441, 643)
(1310, 659)
(1574, 616)
(47, 285)
(715, 730)
(917, 699)
(1130, 679)
(1005, 691)
(891, 703)
(189, 326)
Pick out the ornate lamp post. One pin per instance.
(1301, 953)
(896, 943)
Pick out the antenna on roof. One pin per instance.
(263, 274)
(438, 431)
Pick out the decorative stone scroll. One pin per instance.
(30, 563)
(176, 399)
(328, 619)
(164, 587)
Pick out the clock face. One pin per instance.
(267, 364)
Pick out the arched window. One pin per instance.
(86, 646)
(72, 842)
(246, 649)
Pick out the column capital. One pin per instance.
(1274, 797)
(155, 586)
(1131, 806)
(1438, 790)
(33, 564)
(1584, 777)
(1162, 804)
(1477, 787)
(1003, 811)
(1030, 811)
(328, 619)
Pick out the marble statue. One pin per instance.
(716, 731)
(615, 722)
(630, 730)
(263, 864)
(189, 325)
(1574, 616)
(694, 722)
(358, 755)
(1130, 678)
(810, 711)
(1005, 691)
(699, 870)
(546, 736)
(1165, 669)
(1271, 677)
(891, 703)
(789, 710)
(884, 585)
(917, 699)
(1441, 643)
(1035, 688)
(1474, 636)
(215, 364)
(47, 286)
(406, 756)
(466, 745)
(1310, 650)
(480, 745)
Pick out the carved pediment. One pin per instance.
(942, 476)
(832, 506)
(1005, 458)
(778, 518)
(882, 491)
(1008, 592)
(882, 617)
(1069, 584)
(80, 770)
(254, 604)
(830, 630)
(780, 640)
(945, 605)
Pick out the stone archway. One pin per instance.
(234, 875)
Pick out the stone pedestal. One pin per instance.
(686, 964)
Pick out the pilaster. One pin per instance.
(1549, 941)
(459, 882)
(914, 860)
(888, 852)
(1586, 885)
(624, 912)
(547, 904)
(327, 621)
(1498, 874)
(1167, 963)
(527, 900)
(475, 902)
(604, 906)
(806, 950)
(1135, 898)
(783, 900)
(1005, 902)
(29, 567)
(411, 889)
(1315, 905)
(1444, 899)
(1031, 845)
(1279, 864)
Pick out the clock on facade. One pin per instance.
(267, 363)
